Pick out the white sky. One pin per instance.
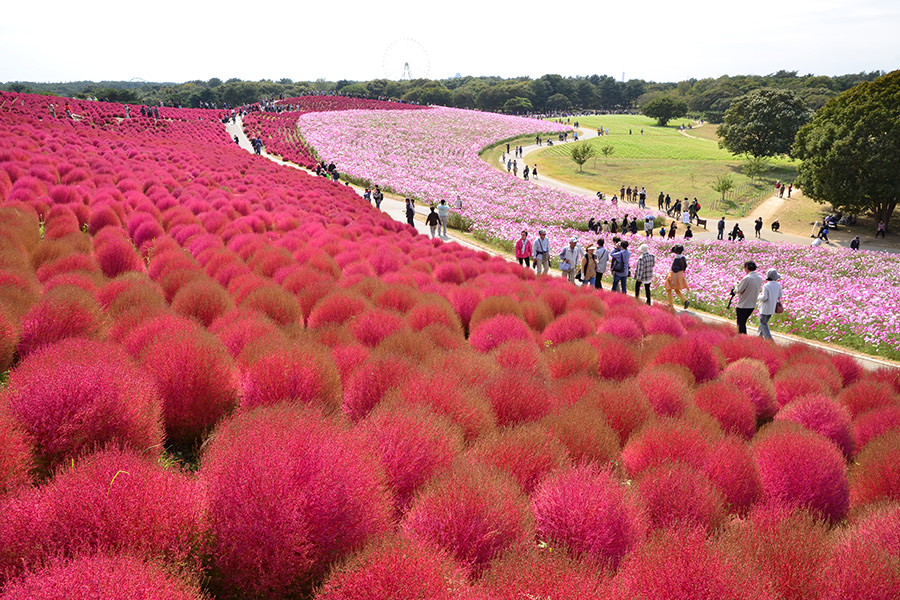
(178, 40)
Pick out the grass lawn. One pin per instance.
(659, 159)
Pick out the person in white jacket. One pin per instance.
(768, 299)
(570, 259)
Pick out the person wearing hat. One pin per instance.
(570, 258)
(588, 266)
(541, 249)
(768, 301)
(676, 280)
(643, 273)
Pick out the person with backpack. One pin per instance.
(620, 267)
(676, 281)
(377, 197)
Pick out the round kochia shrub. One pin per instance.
(107, 577)
(585, 510)
(63, 312)
(475, 513)
(824, 416)
(752, 376)
(801, 469)
(306, 375)
(874, 476)
(15, 455)
(72, 396)
(196, 377)
(112, 501)
(289, 493)
(398, 569)
(490, 333)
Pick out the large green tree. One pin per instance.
(665, 108)
(851, 150)
(763, 122)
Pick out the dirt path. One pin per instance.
(395, 208)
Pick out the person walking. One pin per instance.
(747, 291)
(643, 272)
(570, 259)
(721, 228)
(881, 230)
(649, 221)
(854, 243)
(523, 250)
(621, 267)
(688, 233)
(660, 201)
(757, 226)
(768, 302)
(410, 212)
(433, 221)
(602, 256)
(541, 250)
(676, 280)
(588, 266)
(377, 196)
(443, 209)
(673, 229)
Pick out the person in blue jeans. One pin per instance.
(620, 260)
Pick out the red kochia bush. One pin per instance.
(412, 443)
(824, 416)
(873, 423)
(801, 469)
(752, 376)
(15, 455)
(397, 569)
(729, 405)
(526, 453)
(112, 501)
(76, 394)
(667, 392)
(107, 577)
(864, 396)
(196, 378)
(693, 353)
(367, 385)
(474, 513)
(9, 339)
(863, 570)
(730, 466)
(306, 375)
(492, 332)
(517, 398)
(583, 430)
(543, 574)
(290, 492)
(667, 440)
(681, 564)
(63, 312)
(616, 359)
(202, 299)
(875, 476)
(675, 494)
(585, 510)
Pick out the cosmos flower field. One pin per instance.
(228, 379)
(831, 294)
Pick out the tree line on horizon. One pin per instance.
(707, 98)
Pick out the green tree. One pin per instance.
(755, 167)
(723, 184)
(581, 152)
(607, 151)
(850, 148)
(763, 122)
(517, 105)
(559, 102)
(664, 108)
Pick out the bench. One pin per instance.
(701, 222)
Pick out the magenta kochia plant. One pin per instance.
(527, 453)
(74, 395)
(473, 512)
(752, 376)
(100, 576)
(300, 374)
(196, 377)
(824, 416)
(871, 424)
(15, 455)
(588, 511)
(801, 469)
(874, 476)
(676, 494)
(112, 501)
(290, 492)
(396, 568)
(491, 332)
(63, 312)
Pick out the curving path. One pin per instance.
(395, 208)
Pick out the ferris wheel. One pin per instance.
(405, 59)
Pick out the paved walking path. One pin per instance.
(396, 209)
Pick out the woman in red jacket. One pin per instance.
(523, 250)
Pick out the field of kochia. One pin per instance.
(227, 379)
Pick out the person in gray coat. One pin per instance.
(747, 294)
(768, 300)
(602, 256)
